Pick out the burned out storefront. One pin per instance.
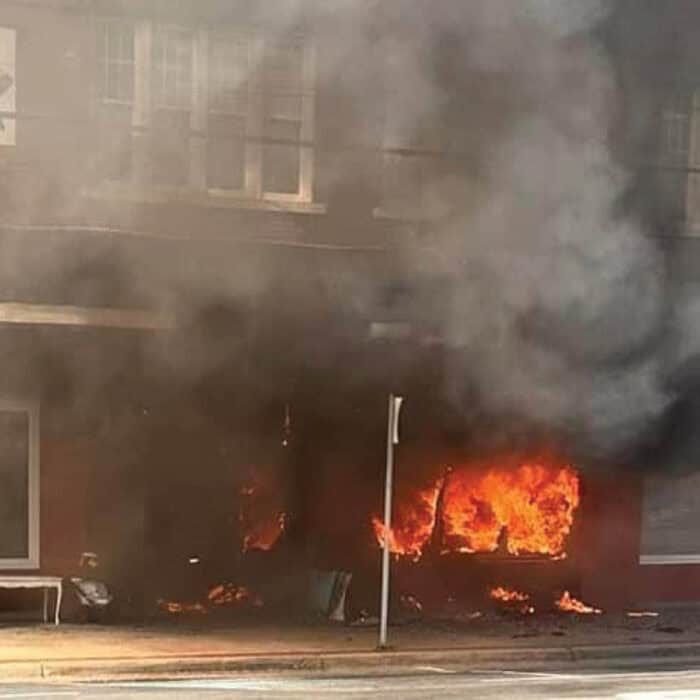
(230, 461)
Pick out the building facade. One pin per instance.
(190, 218)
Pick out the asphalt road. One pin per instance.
(491, 685)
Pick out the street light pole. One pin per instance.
(392, 438)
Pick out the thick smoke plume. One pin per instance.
(552, 301)
(557, 300)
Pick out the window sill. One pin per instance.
(206, 198)
(668, 559)
(404, 214)
(19, 565)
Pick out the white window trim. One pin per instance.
(666, 559)
(253, 190)
(10, 147)
(31, 408)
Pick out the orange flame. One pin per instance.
(414, 522)
(529, 509)
(507, 595)
(520, 507)
(568, 604)
(262, 515)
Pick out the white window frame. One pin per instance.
(13, 110)
(31, 408)
(668, 559)
(306, 155)
(687, 557)
(144, 33)
(105, 61)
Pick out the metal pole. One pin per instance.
(388, 487)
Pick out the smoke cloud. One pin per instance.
(557, 300)
(554, 302)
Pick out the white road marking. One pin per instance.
(289, 686)
(534, 674)
(688, 694)
(506, 677)
(369, 686)
(44, 694)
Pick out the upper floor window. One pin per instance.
(230, 112)
(283, 88)
(413, 142)
(8, 108)
(679, 188)
(229, 104)
(411, 169)
(116, 65)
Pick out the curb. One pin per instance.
(351, 664)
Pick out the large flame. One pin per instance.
(413, 522)
(529, 509)
(520, 507)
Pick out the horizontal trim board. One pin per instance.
(669, 559)
(45, 314)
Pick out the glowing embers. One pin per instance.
(228, 594)
(224, 595)
(568, 604)
(178, 608)
(512, 599)
(512, 506)
(507, 595)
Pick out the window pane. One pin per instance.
(229, 69)
(7, 85)
(226, 152)
(116, 146)
(116, 57)
(675, 130)
(281, 168)
(171, 130)
(402, 180)
(172, 69)
(282, 104)
(14, 485)
(674, 155)
(671, 516)
(283, 67)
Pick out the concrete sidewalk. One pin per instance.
(182, 648)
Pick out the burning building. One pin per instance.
(229, 231)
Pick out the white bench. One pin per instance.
(43, 582)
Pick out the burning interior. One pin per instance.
(507, 506)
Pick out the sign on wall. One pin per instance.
(671, 519)
(8, 108)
